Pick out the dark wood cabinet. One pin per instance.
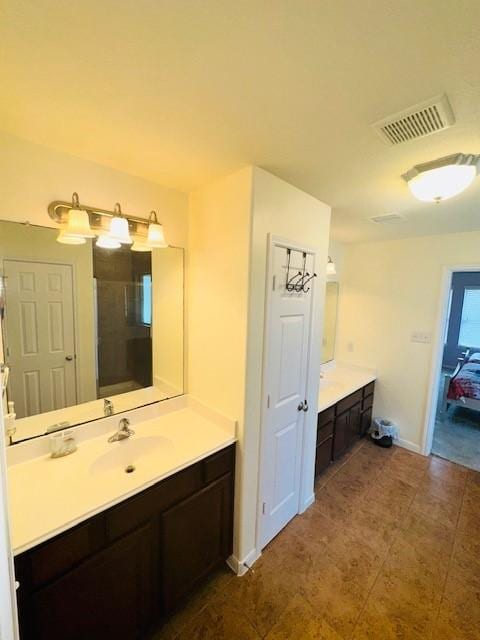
(341, 425)
(121, 572)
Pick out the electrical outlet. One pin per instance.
(424, 337)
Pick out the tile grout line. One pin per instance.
(450, 559)
(394, 539)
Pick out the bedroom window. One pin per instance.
(469, 335)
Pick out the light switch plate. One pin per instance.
(424, 337)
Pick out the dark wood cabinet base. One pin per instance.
(341, 425)
(119, 573)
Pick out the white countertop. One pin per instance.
(340, 381)
(48, 496)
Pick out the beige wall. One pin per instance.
(33, 176)
(219, 236)
(387, 290)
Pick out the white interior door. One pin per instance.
(287, 341)
(40, 336)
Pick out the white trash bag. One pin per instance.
(383, 428)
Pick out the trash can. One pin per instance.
(383, 432)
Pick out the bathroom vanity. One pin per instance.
(344, 412)
(149, 537)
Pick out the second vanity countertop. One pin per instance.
(48, 496)
(340, 381)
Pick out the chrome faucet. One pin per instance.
(108, 409)
(123, 431)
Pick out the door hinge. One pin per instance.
(274, 282)
(7, 351)
(268, 402)
(264, 508)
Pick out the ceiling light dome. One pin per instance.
(443, 178)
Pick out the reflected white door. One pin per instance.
(40, 336)
(285, 381)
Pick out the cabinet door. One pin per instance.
(366, 421)
(195, 537)
(340, 438)
(108, 596)
(354, 423)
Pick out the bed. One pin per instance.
(462, 387)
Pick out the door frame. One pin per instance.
(76, 306)
(304, 501)
(437, 354)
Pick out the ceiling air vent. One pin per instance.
(416, 122)
(387, 218)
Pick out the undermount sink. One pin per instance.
(131, 452)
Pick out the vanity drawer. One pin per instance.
(369, 389)
(218, 465)
(324, 431)
(367, 402)
(349, 401)
(134, 512)
(326, 416)
(57, 556)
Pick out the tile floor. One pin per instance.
(389, 551)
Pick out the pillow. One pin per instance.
(475, 357)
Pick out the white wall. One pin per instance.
(229, 225)
(387, 290)
(280, 209)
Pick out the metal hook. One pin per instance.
(308, 280)
(289, 286)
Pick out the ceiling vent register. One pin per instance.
(387, 218)
(421, 120)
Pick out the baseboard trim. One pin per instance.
(240, 567)
(411, 446)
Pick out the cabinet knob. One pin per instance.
(69, 358)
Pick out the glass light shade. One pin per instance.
(65, 238)
(119, 230)
(106, 242)
(442, 183)
(156, 237)
(78, 224)
(331, 270)
(140, 244)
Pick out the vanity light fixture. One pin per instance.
(119, 231)
(442, 178)
(104, 241)
(78, 225)
(155, 235)
(64, 238)
(331, 270)
(140, 245)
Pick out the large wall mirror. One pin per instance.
(86, 330)
(330, 322)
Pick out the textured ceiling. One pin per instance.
(182, 91)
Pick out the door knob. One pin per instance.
(305, 406)
(300, 407)
(69, 358)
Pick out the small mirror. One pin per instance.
(81, 325)
(330, 322)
